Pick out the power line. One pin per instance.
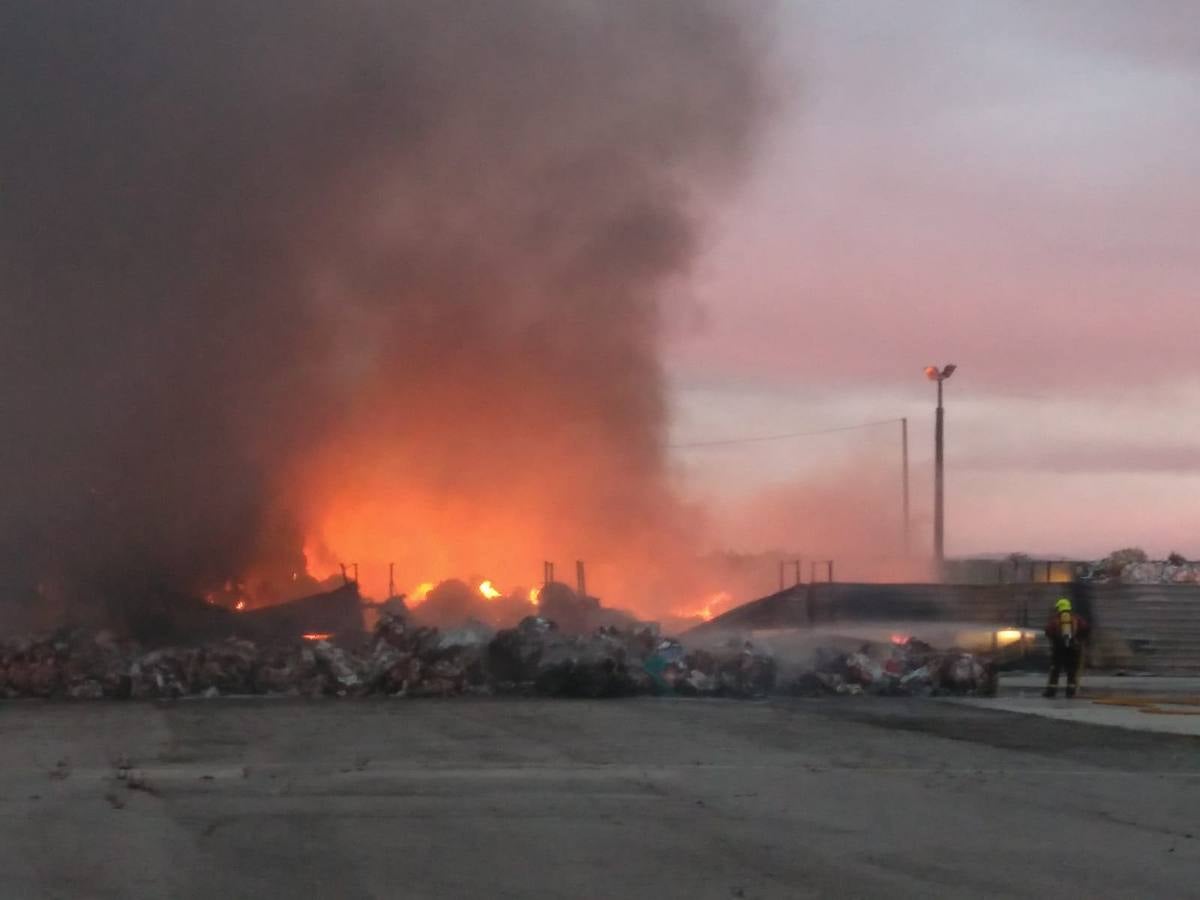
(780, 437)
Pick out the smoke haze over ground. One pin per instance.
(375, 280)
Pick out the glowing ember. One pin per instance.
(240, 605)
(535, 595)
(901, 639)
(318, 635)
(488, 590)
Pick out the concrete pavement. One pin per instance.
(648, 798)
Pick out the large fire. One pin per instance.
(440, 504)
(406, 541)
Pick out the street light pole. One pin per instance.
(939, 497)
(904, 482)
(939, 483)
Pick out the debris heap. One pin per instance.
(402, 658)
(905, 668)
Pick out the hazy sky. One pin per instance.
(1008, 186)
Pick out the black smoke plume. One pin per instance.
(263, 260)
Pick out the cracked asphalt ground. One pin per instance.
(654, 798)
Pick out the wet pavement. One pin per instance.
(1152, 703)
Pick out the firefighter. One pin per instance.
(1067, 631)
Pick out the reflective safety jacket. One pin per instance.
(1066, 627)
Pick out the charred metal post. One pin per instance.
(391, 580)
(797, 566)
(812, 569)
(547, 573)
(345, 577)
(355, 573)
(580, 578)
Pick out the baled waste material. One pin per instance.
(405, 659)
(1132, 566)
(1151, 573)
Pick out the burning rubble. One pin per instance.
(404, 656)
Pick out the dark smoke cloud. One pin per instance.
(249, 248)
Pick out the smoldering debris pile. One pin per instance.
(908, 668)
(454, 601)
(405, 659)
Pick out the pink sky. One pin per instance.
(1008, 186)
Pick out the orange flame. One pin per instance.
(318, 635)
(240, 605)
(708, 610)
(419, 595)
(488, 590)
(535, 595)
